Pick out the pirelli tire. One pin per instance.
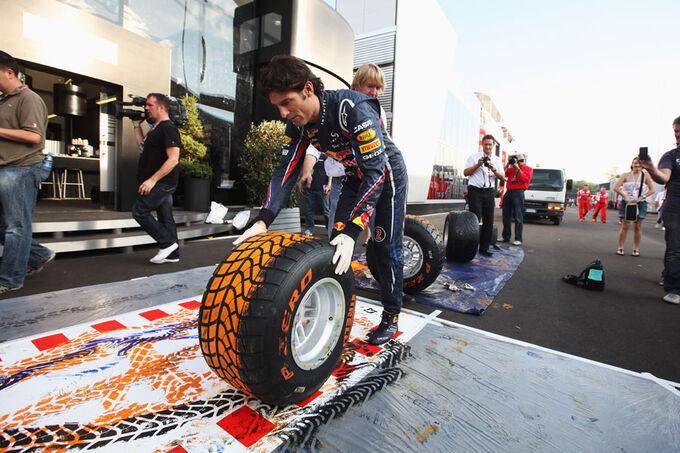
(275, 317)
(461, 236)
(423, 254)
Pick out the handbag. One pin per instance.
(632, 210)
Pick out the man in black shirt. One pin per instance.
(157, 176)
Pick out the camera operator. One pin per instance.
(518, 176)
(157, 176)
(481, 169)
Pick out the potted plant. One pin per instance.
(194, 160)
(263, 145)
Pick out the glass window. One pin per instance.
(247, 33)
(271, 29)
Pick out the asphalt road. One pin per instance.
(628, 325)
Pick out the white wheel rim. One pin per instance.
(318, 323)
(413, 257)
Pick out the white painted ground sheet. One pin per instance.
(145, 387)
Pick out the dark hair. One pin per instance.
(7, 62)
(488, 136)
(676, 121)
(162, 100)
(287, 73)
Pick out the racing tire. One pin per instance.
(423, 254)
(461, 236)
(275, 317)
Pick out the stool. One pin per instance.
(56, 185)
(79, 183)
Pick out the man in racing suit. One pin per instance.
(601, 200)
(346, 126)
(583, 197)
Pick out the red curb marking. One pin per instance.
(310, 399)
(246, 426)
(108, 326)
(364, 348)
(191, 305)
(50, 341)
(153, 315)
(343, 370)
(178, 449)
(397, 335)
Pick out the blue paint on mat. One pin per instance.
(487, 275)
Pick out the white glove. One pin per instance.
(257, 228)
(344, 249)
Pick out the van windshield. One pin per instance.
(547, 180)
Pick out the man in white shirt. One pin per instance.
(483, 169)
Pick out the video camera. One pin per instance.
(177, 112)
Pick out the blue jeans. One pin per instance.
(336, 188)
(671, 259)
(513, 201)
(18, 193)
(163, 230)
(314, 197)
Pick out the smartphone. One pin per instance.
(644, 154)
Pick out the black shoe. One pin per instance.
(385, 330)
(486, 252)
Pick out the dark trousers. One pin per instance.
(671, 259)
(513, 203)
(163, 230)
(388, 233)
(482, 203)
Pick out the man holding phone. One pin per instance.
(668, 172)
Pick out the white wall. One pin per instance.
(423, 73)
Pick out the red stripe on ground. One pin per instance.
(246, 426)
(191, 305)
(397, 335)
(364, 348)
(50, 341)
(310, 399)
(178, 449)
(153, 315)
(108, 326)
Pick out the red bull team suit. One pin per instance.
(350, 130)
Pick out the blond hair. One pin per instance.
(366, 72)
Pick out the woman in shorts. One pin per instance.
(628, 186)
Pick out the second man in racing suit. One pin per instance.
(346, 126)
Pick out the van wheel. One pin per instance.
(461, 236)
(423, 254)
(275, 317)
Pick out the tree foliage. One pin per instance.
(263, 144)
(194, 159)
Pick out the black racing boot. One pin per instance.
(385, 330)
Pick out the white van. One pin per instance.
(547, 194)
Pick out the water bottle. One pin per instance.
(46, 167)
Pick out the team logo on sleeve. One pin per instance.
(346, 106)
(287, 139)
(339, 226)
(366, 135)
(368, 147)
